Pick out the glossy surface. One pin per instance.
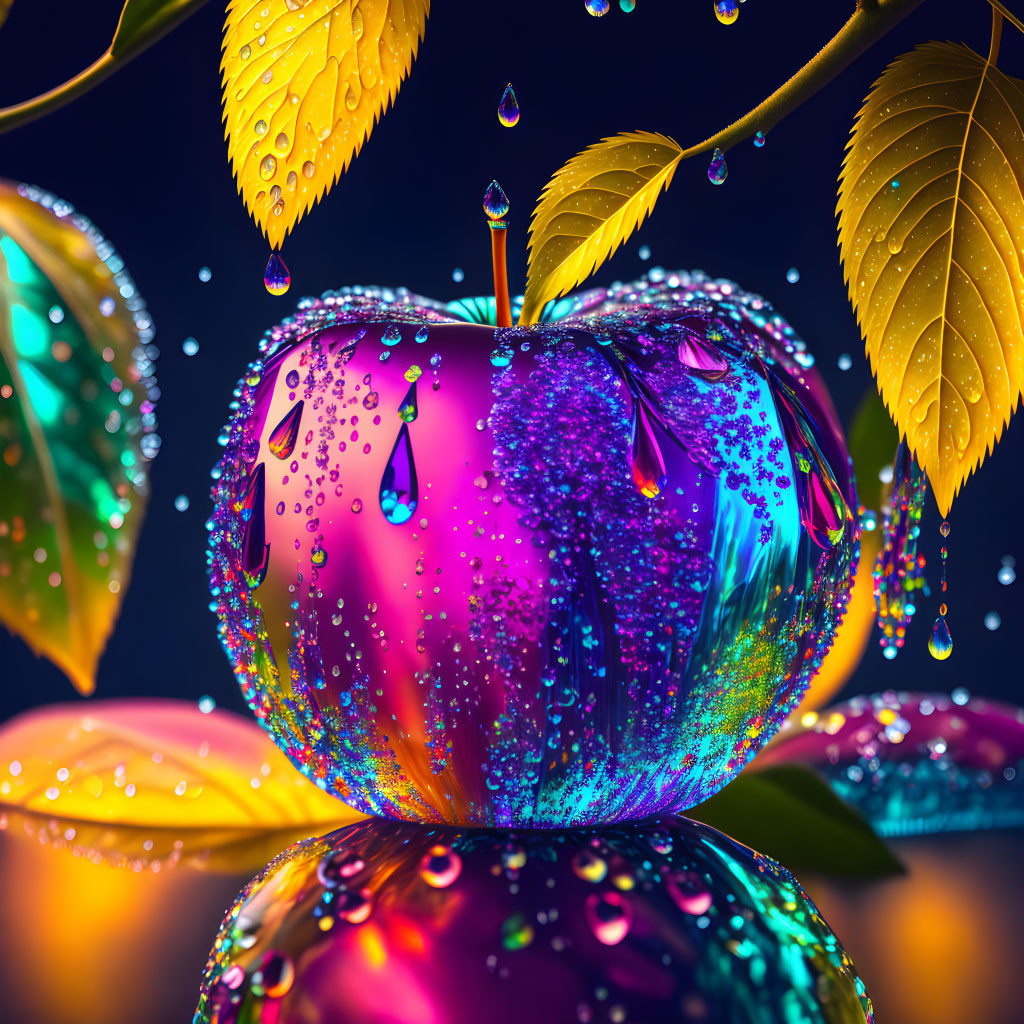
(670, 921)
(555, 575)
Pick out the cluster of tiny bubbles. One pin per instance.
(844, 362)
(508, 107)
(205, 273)
(792, 275)
(181, 502)
(717, 169)
(644, 252)
(993, 621)
(597, 8)
(190, 346)
(727, 11)
(1007, 570)
(758, 139)
(458, 274)
(206, 704)
(607, 909)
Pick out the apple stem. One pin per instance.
(502, 305)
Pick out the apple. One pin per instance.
(538, 576)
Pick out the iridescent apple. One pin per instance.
(530, 576)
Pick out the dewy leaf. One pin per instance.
(305, 81)
(590, 207)
(156, 780)
(931, 227)
(77, 421)
(791, 814)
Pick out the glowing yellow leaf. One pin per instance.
(5, 9)
(156, 780)
(304, 82)
(931, 225)
(590, 207)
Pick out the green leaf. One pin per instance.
(143, 22)
(790, 813)
(76, 422)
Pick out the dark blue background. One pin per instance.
(144, 157)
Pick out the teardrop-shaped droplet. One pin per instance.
(759, 139)
(255, 549)
(276, 277)
(495, 201)
(648, 462)
(727, 11)
(409, 408)
(717, 170)
(399, 488)
(286, 433)
(700, 356)
(508, 108)
(253, 493)
(629, 6)
(597, 8)
(940, 643)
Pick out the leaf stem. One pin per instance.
(130, 39)
(1009, 16)
(868, 23)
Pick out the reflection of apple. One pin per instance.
(668, 921)
(530, 576)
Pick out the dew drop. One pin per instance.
(495, 201)
(610, 917)
(286, 433)
(717, 169)
(440, 867)
(408, 410)
(391, 336)
(267, 166)
(399, 488)
(276, 277)
(726, 11)
(940, 643)
(292, 380)
(758, 139)
(508, 108)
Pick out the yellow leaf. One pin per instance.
(931, 225)
(145, 781)
(304, 83)
(590, 207)
(5, 9)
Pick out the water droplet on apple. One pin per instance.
(285, 434)
(399, 488)
(408, 410)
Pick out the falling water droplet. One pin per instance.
(399, 488)
(276, 277)
(759, 139)
(717, 169)
(648, 462)
(495, 201)
(508, 108)
(408, 410)
(944, 528)
(610, 917)
(440, 866)
(940, 643)
(285, 434)
(726, 11)
(598, 8)
(628, 5)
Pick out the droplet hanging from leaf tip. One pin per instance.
(940, 643)
(277, 277)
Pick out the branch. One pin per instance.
(143, 22)
(869, 22)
